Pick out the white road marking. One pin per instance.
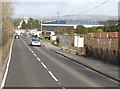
(7, 67)
(35, 55)
(44, 65)
(53, 76)
(38, 59)
(32, 51)
(24, 42)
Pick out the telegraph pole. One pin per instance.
(58, 22)
(41, 27)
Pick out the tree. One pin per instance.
(16, 22)
(81, 30)
(32, 24)
(7, 22)
(93, 29)
(6, 31)
(35, 24)
(113, 28)
(24, 25)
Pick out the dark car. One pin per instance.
(17, 37)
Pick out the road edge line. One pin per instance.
(7, 66)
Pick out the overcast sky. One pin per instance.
(49, 8)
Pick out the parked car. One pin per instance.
(16, 36)
(35, 42)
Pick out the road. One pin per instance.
(32, 66)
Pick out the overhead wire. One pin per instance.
(95, 7)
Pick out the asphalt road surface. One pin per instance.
(32, 66)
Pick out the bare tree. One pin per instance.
(7, 23)
(6, 31)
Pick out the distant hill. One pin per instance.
(75, 17)
(89, 17)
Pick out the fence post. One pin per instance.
(98, 41)
(110, 43)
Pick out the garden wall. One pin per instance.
(101, 46)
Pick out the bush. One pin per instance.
(99, 30)
(55, 43)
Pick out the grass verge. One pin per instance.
(5, 51)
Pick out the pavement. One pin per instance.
(106, 69)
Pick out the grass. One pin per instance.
(5, 51)
(0, 64)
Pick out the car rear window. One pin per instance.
(36, 39)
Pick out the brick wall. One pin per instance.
(101, 46)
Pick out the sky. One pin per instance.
(49, 8)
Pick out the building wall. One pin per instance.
(81, 22)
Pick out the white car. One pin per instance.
(35, 42)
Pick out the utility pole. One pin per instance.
(41, 27)
(58, 22)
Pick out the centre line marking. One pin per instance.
(35, 55)
(44, 65)
(38, 59)
(53, 76)
(29, 49)
(32, 51)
